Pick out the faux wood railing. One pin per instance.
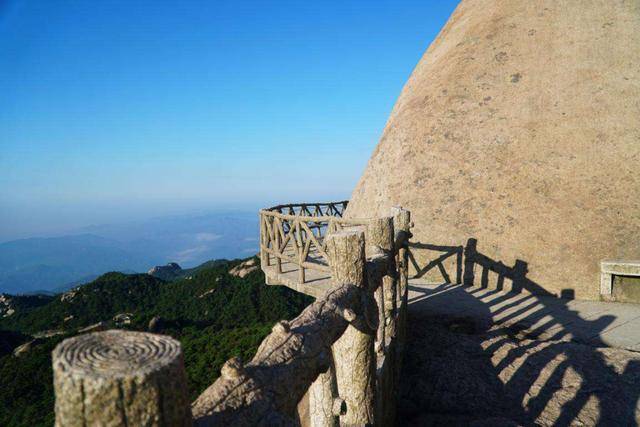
(340, 358)
(296, 233)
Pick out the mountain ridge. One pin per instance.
(48, 263)
(214, 313)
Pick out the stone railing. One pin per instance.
(338, 362)
(295, 234)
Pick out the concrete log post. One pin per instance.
(301, 255)
(277, 223)
(402, 229)
(353, 352)
(264, 255)
(402, 226)
(120, 378)
(323, 394)
(380, 241)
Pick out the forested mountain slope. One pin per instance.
(214, 314)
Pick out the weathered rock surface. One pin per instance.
(166, 272)
(96, 327)
(21, 350)
(6, 309)
(69, 295)
(123, 318)
(241, 270)
(11, 304)
(205, 293)
(519, 127)
(156, 324)
(48, 333)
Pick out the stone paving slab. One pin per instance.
(597, 323)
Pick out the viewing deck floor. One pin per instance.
(316, 283)
(596, 323)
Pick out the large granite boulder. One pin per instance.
(520, 128)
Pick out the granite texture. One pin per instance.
(520, 128)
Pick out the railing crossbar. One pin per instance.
(301, 229)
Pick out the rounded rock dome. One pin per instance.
(520, 130)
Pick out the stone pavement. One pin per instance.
(595, 323)
(483, 357)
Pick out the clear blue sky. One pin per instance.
(124, 109)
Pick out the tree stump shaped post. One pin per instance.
(401, 225)
(264, 241)
(402, 230)
(117, 377)
(353, 352)
(380, 242)
(323, 395)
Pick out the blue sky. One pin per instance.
(113, 110)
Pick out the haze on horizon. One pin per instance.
(113, 111)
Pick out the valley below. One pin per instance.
(217, 310)
(53, 264)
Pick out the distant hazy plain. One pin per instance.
(55, 263)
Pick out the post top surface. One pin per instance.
(115, 353)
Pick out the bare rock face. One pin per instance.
(241, 270)
(166, 272)
(6, 309)
(69, 295)
(96, 327)
(205, 293)
(23, 349)
(520, 128)
(122, 319)
(156, 324)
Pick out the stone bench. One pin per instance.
(609, 268)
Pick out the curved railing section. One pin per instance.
(293, 236)
(337, 363)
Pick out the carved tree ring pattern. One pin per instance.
(116, 353)
(122, 377)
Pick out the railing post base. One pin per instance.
(353, 351)
(322, 395)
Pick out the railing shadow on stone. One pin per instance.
(342, 353)
(533, 357)
(446, 252)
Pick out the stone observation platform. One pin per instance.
(543, 317)
(301, 264)
(596, 323)
(548, 359)
(295, 252)
(292, 244)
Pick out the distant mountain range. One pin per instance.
(53, 264)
